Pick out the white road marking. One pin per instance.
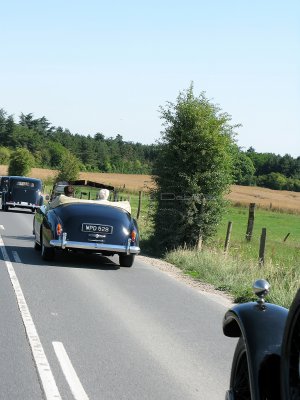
(2, 227)
(46, 377)
(69, 372)
(16, 257)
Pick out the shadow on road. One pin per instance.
(66, 259)
(19, 211)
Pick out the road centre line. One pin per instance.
(2, 227)
(45, 374)
(69, 372)
(16, 257)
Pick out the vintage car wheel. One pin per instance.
(239, 379)
(47, 253)
(126, 260)
(290, 363)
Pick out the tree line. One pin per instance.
(51, 146)
(267, 170)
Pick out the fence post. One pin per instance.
(116, 196)
(262, 246)
(250, 222)
(227, 240)
(200, 240)
(139, 205)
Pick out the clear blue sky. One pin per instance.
(99, 66)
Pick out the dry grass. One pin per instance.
(131, 182)
(279, 200)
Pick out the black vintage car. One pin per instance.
(266, 363)
(21, 192)
(92, 226)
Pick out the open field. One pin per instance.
(279, 200)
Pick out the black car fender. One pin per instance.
(290, 353)
(262, 328)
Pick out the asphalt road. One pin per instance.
(81, 327)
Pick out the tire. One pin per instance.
(47, 253)
(239, 379)
(4, 207)
(37, 246)
(126, 260)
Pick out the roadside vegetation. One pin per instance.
(236, 271)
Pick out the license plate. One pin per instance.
(97, 228)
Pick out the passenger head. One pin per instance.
(103, 194)
(69, 191)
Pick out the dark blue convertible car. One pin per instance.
(91, 226)
(266, 363)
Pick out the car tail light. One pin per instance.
(133, 236)
(59, 229)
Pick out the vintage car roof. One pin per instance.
(24, 178)
(62, 199)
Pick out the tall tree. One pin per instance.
(69, 168)
(21, 162)
(192, 170)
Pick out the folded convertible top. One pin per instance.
(62, 199)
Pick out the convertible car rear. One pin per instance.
(89, 226)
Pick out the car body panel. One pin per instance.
(4, 183)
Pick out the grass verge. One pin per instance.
(236, 271)
(236, 277)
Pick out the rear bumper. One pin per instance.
(20, 205)
(112, 248)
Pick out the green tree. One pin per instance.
(192, 171)
(4, 155)
(274, 180)
(69, 168)
(243, 168)
(21, 162)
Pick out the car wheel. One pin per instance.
(239, 379)
(4, 207)
(126, 260)
(37, 246)
(47, 253)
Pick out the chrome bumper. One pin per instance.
(113, 248)
(24, 205)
